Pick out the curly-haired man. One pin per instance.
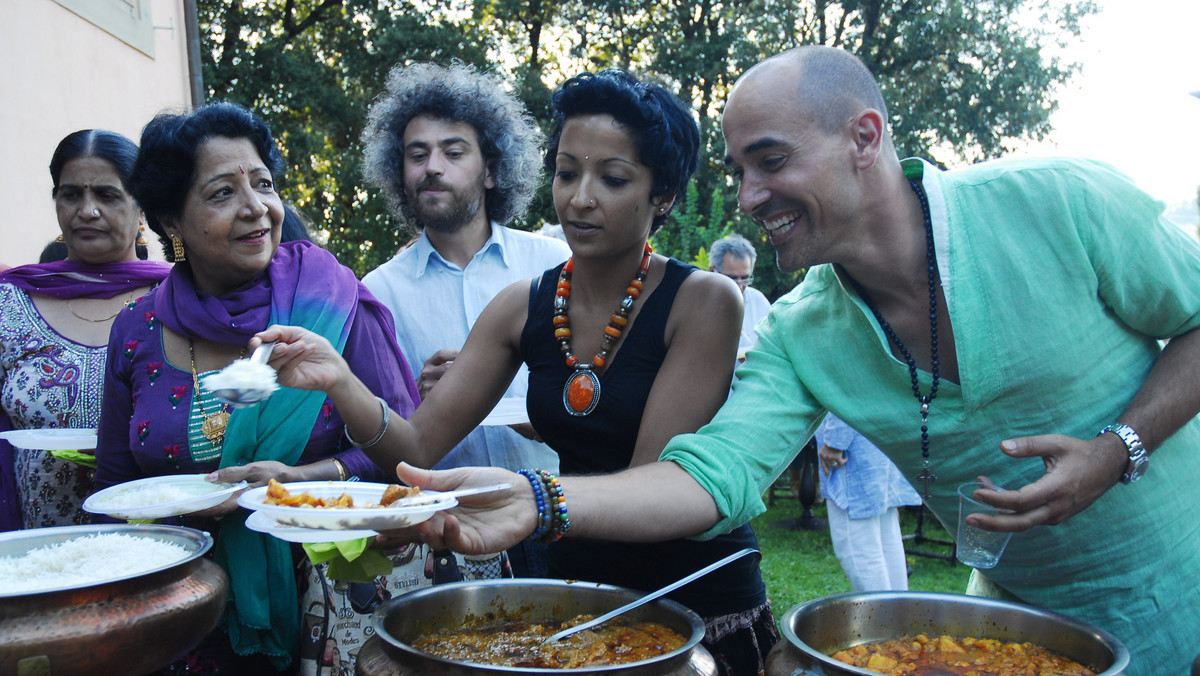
(457, 156)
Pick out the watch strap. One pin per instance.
(1136, 450)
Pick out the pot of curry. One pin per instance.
(495, 626)
(817, 630)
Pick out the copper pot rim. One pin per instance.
(16, 543)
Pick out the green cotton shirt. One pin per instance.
(1061, 278)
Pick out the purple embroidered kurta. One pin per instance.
(143, 428)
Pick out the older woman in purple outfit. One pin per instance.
(54, 324)
(206, 182)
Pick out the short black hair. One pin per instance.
(166, 161)
(666, 134)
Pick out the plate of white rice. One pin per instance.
(160, 496)
(43, 560)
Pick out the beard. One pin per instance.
(448, 215)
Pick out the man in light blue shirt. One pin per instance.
(457, 156)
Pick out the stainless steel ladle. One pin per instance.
(649, 597)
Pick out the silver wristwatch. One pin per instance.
(1139, 459)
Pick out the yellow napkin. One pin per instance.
(77, 457)
(350, 560)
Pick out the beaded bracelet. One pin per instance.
(557, 507)
(383, 428)
(552, 519)
(539, 494)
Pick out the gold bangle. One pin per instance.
(343, 473)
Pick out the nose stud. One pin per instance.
(95, 212)
(592, 203)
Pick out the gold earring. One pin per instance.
(141, 238)
(59, 239)
(177, 248)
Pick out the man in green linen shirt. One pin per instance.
(1036, 291)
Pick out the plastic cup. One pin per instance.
(976, 547)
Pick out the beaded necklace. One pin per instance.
(581, 393)
(926, 476)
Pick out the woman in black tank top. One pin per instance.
(625, 348)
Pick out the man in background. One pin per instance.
(734, 256)
(457, 156)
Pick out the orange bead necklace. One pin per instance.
(582, 391)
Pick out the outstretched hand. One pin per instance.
(1078, 472)
(480, 524)
(302, 359)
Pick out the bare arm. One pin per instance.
(652, 502)
(702, 337)
(482, 372)
(1079, 471)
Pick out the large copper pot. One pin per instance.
(819, 628)
(132, 625)
(403, 619)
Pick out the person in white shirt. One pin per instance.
(457, 156)
(734, 256)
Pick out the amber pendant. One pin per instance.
(582, 392)
(213, 427)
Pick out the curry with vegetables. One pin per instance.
(921, 655)
(517, 643)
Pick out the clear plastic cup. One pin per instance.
(976, 547)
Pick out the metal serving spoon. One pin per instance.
(245, 396)
(649, 597)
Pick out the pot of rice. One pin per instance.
(117, 598)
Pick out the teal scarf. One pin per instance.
(307, 288)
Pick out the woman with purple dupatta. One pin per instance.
(54, 324)
(206, 182)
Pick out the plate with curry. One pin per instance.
(345, 505)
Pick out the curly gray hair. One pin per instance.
(508, 135)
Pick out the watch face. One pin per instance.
(1139, 469)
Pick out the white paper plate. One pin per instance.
(263, 523)
(508, 411)
(202, 496)
(52, 439)
(353, 518)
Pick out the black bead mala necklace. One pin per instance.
(926, 476)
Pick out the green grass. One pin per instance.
(799, 565)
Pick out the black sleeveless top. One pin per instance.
(603, 442)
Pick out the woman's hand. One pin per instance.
(303, 359)
(1078, 472)
(256, 474)
(480, 524)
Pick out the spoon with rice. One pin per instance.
(245, 381)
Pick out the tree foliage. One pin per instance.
(965, 80)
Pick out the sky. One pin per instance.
(1132, 105)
